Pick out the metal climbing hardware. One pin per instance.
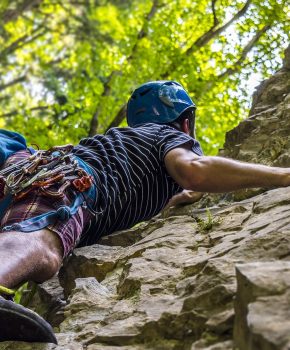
(84, 183)
(50, 172)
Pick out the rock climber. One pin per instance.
(55, 200)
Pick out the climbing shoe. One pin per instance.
(18, 323)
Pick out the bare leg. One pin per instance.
(24, 256)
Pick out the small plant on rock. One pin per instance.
(207, 223)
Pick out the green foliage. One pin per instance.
(19, 293)
(207, 223)
(68, 68)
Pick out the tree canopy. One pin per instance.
(67, 67)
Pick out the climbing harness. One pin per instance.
(50, 173)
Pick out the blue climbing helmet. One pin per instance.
(158, 102)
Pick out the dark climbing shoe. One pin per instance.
(18, 323)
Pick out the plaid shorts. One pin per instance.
(36, 203)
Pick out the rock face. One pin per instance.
(264, 137)
(212, 279)
(262, 305)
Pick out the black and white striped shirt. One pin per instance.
(132, 182)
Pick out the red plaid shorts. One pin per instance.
(69, 231)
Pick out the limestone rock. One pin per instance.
(263, 306)
(264, 137)
(47, 299)
(93, 261)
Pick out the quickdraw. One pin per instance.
(43, 170)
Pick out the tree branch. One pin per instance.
(107, 87)
(106, 92)
(209, 35)
(22, 41)
(16, 111)
(12, 15)
(215, 19)
(237, 65)
(12, 82)
(119, 117)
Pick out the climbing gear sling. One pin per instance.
(42, 172)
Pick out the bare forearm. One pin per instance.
(217, 174)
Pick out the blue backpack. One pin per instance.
(10, 142)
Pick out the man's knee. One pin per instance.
(44, 247)
(53, 246)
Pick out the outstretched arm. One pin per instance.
(217, 174)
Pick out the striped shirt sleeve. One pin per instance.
(170, 138)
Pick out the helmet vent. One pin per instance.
(141, 110)
(145, 92)
(155, 110)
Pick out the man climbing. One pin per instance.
(71, 196)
